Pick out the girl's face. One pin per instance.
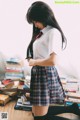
(38, 24)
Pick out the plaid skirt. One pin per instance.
(45, 86)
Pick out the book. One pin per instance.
(20, 105)
(72, 100)
(73, 95)
(10, 93)
(4, 99)
(67, 103)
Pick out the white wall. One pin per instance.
(15, 32)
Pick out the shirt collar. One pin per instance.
(44, 30)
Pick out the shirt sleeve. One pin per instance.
(55, 41)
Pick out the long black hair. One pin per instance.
(41, 12)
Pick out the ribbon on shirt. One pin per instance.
(39, 35)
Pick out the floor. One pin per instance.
(25, 115)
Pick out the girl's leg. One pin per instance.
(33, 111)
(50, 118)
(40, 117)
(57, 118)
(54, 110)
(49, 112)
(39, 112)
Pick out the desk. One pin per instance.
(15, 114)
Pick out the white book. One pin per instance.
(25, 103)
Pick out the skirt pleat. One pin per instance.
(45, 86)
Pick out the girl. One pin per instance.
(47, 41)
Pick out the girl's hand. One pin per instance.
(32, 62)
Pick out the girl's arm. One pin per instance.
(50, 61)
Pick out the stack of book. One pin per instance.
(23, 105)
(7, 93)
(70, 86)
(72, 98)
(13, 69)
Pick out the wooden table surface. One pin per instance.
(15, 114)
(27, 115)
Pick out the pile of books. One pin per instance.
(23, 104)
(7, 92)
(70, 84)
(71, 88)
(13, 69)
(72, 98)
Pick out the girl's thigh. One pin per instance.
(40, 110)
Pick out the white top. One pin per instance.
(48, 43)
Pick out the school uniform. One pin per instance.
(45, 86)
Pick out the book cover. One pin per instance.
(4, 99)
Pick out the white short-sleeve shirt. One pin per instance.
(48, 43)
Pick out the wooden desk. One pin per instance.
(15, 114)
